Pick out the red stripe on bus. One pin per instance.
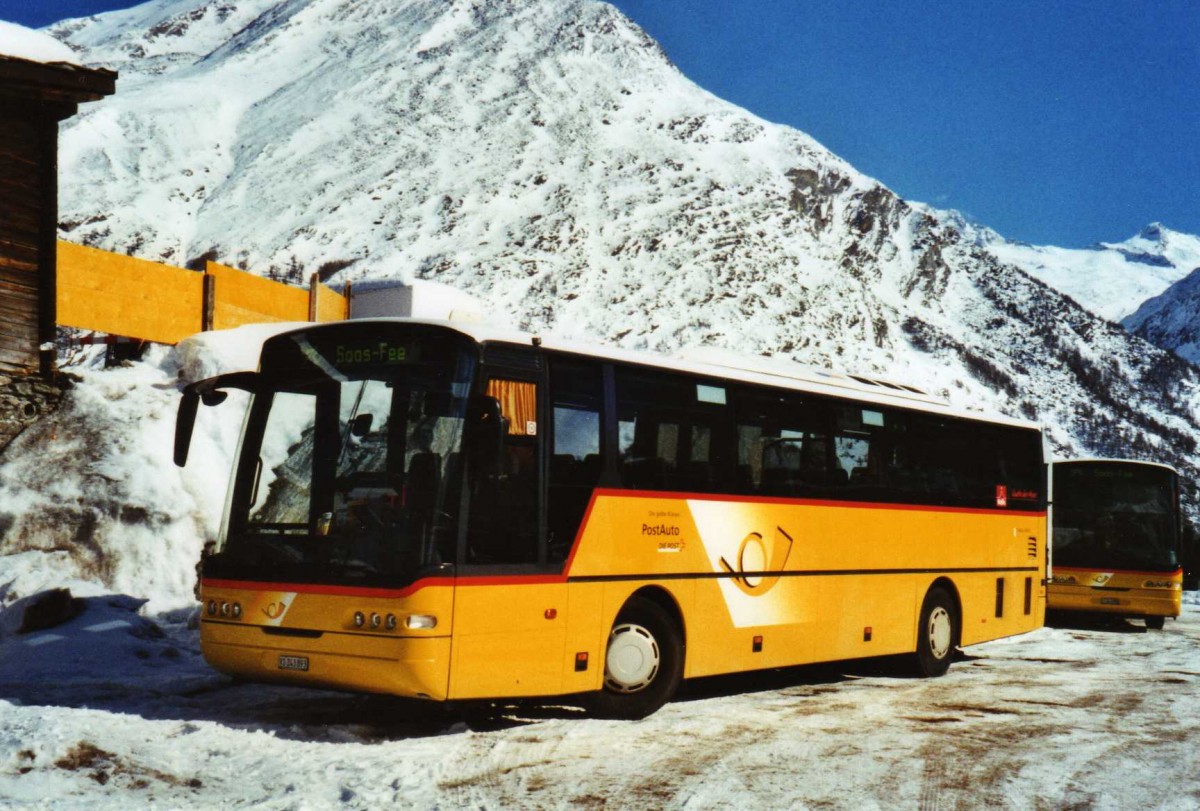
(334, 591)
(812, 502)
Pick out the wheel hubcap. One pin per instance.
(940, 632)
(632, 660)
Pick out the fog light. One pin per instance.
(390, 622)
(376, 620)
(237, 611)
(212, 608)
(360, 619)
(420, 621)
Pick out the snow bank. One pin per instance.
(207, 354)
(25, 43)
(90, 498)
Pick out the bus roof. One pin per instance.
(1107, 461)
(726, 365)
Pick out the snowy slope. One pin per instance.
(546, 157)
(1172, 320)
(1110, 279)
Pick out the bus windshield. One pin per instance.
(351, 462)
(1115, 516)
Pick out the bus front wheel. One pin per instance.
(937, 634)
(1156, 623)
(643, 662)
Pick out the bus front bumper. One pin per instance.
(415, 667)
(1132, 602)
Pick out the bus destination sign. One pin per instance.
(375, 353)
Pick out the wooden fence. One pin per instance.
(119, 295)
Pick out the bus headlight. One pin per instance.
(420, 621)
(212, 608)
(390, 622)
(376, 620)
(360, 619)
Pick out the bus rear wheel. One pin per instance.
(937, 634)
(643, 662)
(1156, 623)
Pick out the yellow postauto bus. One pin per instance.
(1116, 530)
(446, 511)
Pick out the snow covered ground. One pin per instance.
(117, 710)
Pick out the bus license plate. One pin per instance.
(293, 663)
(1109, 601)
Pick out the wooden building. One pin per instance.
(34, 98)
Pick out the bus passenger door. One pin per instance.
(510, 609)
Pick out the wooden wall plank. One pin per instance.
(22, 218)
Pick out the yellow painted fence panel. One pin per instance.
(136, 298)
(120, 295)
(241, 298)
(330, 305)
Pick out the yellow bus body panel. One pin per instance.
(755, 584)
(508, 638)
(811, 581)
(1132, 594)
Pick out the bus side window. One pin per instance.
(504, 504)
(671, 433)
(576, 459)
(783, 445)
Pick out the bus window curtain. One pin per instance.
(518, 403)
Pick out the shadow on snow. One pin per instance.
(113, 659)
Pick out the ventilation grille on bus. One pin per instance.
(870, 381)
(513, 358)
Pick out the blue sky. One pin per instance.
(1061, 123)
(1065, 122)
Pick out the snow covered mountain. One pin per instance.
(547, 157)
(1172, 320)
(1110, 279)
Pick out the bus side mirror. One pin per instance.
(209, 392)
(213, 397)
(185, 423)
(361, 425)
(486, 429)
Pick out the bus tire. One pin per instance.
(643, 662)
(1156, 623)
(937, 634)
